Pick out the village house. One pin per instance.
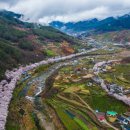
(123, 120)
(126, 92)
(114, 88)
(111, 116)
(100, 116)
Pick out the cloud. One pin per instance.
(45, 11)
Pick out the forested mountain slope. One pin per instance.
(23, 43)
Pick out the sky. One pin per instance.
(45, 11)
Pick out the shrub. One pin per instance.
(24, 44)
(49, 53)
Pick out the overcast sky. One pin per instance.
(45, 11)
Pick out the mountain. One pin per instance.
(74, 28)
(94, 26)
(24, 43)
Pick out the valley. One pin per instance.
(64, 76)
(69, 95)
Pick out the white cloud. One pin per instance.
(44, 11)
(3, 5)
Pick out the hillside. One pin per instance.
(117, 37)
(24, 43)
(94, 26)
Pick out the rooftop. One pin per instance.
(112, 113)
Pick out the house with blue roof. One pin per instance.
(123, 120)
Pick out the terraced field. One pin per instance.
(63, 98)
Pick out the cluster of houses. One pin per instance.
(115, 119)
(111, 116)
(92, 42)
(103, 66)
(114, 88)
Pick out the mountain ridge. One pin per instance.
(94, 26)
